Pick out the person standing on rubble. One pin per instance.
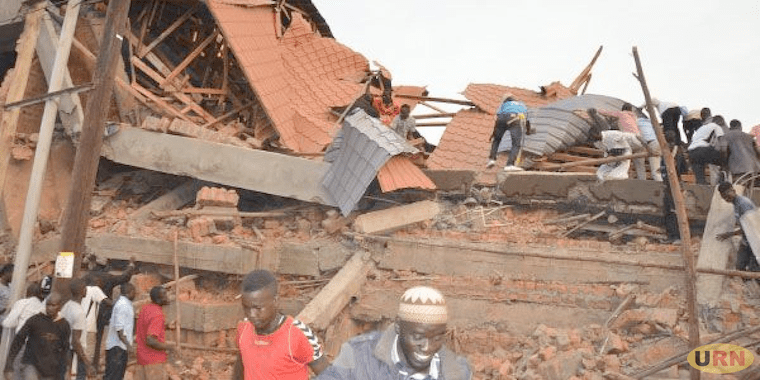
(618, 143)
(511, 116)
(412, 348)
(653, 146)
(273, 345)
(743, 153)
(702, 149)
(691, 122)
(745, 259)
(670, 114)
(404, 124)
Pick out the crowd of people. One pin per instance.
(50, 336)
(702, 141)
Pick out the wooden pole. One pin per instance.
(683, 219)
(77, 213)
(440, 100)
(594, 161)
(178, 327)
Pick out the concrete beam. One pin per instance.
(396, 217)
(320, 312)
(487, 259)
(232, 260)
(257, 170)
(310, 258)
(628, 195)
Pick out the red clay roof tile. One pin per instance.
(399, 172)
(297, 78)
(488, 96)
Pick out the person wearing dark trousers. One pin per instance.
(512, 117)
(120, 334)
(745, 258)
(702, 150)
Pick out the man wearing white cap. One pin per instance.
(412, 348)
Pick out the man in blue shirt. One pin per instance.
(512, 116)
(745, 260)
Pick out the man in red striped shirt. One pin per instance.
(273, 346)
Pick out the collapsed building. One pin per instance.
(229, 147)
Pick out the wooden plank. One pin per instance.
(165, 107)
(396, 217)
(565, 157)
(593, 152)
(20, 74)
(440, 100)
(190, 58)
(334, 297)
(207, 91)
(167, 32)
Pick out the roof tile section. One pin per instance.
(464, 144)
(401, 173)
(365, 146)
(297, 78)
(488, 97)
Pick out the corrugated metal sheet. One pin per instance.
(362, 148)
(557, 127)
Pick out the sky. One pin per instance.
(695, 53)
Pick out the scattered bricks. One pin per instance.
(217, 196)
(220, 239)
(334, 222)
(547, 353)
(563, 341)
(665, 317)
(303, 227)
(272, 224)
(156, 124)
(200, 227)
(615, 344)
(505, 369)
(660, 350)
(22, 153)
(611, 363)
(564, 366)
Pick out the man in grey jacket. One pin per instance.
(410, 349)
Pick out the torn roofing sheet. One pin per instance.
(465, 145)
(558, 127)
(297, 77)
(365, 145)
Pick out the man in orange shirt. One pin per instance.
(273, 346)
(150, 338)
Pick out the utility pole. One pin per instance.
(76, 215)
(683, 218)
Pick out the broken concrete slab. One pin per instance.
(256, 170)
(233, 260)
(310, 258)
(714, 253)
(396, 217)
(628, 195)
(172, 200)
(320, 312)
